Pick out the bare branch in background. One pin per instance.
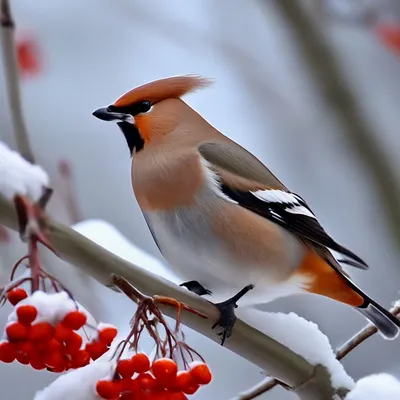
(331, 81)
(306, 380)
(11, 79)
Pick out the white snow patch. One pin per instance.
(79, 384)
(105, 235)
(18, 176)
(374, 387)
(51, 307)
(301, 336)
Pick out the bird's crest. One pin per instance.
(173, 87)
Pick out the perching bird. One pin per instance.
(219, 216)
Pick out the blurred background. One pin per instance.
(272, 94)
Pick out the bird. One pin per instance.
(220, 217)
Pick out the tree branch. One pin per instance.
(11, 78)
(331, 82)
(308, 381)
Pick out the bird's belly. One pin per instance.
(188, 243)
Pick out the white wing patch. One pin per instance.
(292, 201)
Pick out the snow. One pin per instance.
(301, 336)
(51, 307)
(18, 176)
(373, 387)
(105, 235)
(79, 384)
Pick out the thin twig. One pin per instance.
(11, 79)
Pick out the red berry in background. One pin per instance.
(26, 313)
(27, 348)
(192, 389)
(201, 373)
(74, 320)
(141, 362)
(28, 57)
(17, 332)
(22, 358)
(164, 370)
(126, 368)
(107, 335)
(177, 396)
(14, 296)
(7, 352)
(390, 36)
(42, 331)
(107, 389)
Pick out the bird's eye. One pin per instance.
(144, 106)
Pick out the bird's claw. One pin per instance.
(227, 319)
(196, 287)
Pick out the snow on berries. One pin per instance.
(49, 331)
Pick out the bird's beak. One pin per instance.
(106, 114)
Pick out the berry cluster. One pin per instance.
(47, 331)
(138, 378)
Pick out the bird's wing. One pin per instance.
(245, 180)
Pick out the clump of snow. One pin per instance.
(374, 387)
(79, 384)
(301, 336)
(18, 176)
(51, 307)
(105, 235)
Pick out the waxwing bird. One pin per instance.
(220, 217)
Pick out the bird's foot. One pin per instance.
(196, 288)
(227, 319)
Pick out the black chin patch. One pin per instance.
(132, 136)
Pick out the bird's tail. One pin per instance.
(386, 323)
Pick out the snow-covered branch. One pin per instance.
(306, 379)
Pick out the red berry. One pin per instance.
(7, 352)
(26, 313)
(37, 363)
(184, 380)
(107, 335)
(54, 360)
(164, 370)
(201, 373)
(62, 333)
(129, 385)
(192, 389)
(17, 331)
(147, 382)
(80, 359)
(96, 349)
(73, 344)
(14, 296)
(177, 396)
(22, 358)
(107, 389)
(126, 368)
(27, 349)
(42, 331)
(141, 362)
(74, 320)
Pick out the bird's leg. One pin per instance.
(227, 319)
(196, 288)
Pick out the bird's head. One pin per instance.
(151, 110)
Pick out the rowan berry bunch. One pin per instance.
(46, 330)
(159, 377)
